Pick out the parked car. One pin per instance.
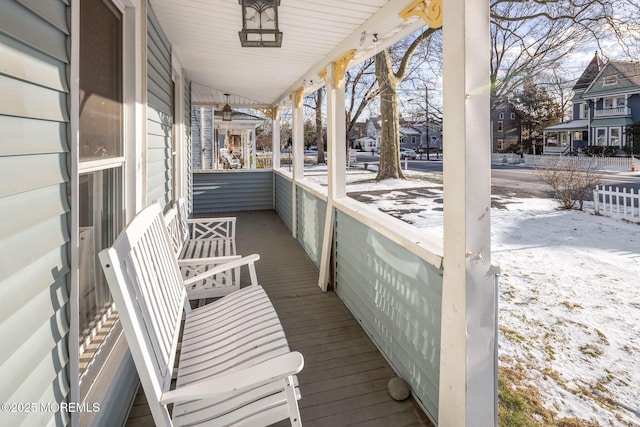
(407, 152)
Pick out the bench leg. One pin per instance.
(292, 401)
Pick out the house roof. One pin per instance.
(612, 121)
(589, 73)
(627, 75)
(630, 70)
(567, 126)
(205, 41)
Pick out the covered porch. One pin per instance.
(344, 381)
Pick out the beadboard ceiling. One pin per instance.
(204, 38)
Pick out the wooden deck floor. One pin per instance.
(344, 380)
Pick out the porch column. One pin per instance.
(336, 161)
(253, 149)
(275, 136)
(468, 368)
(297, 148)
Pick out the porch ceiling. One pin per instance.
(204, 36)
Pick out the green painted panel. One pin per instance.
(311, 212)
(397, 298)
(232, 191)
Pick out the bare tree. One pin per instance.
(361, 89)
(319, 136)
(388, 81)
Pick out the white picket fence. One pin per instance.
(615, 202)
(617, 164)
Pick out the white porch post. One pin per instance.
(298, 153)
(467, 356)
(253, 148)
(336, 162)
(275, 136)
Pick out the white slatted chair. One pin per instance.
(235, 365)
(201, 244)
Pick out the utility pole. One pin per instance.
(426, 118)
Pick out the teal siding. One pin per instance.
(284, 202)
(311, 212)
(34, 158)
(396, 296)
(232, 191)
(159, 114)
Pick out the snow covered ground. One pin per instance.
(569, 294)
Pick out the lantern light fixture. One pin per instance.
(260, 23)
(226, 110)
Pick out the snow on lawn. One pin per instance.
(569, 295)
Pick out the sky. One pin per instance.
(569, 294)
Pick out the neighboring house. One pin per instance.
(505, 125)
(366, 144)
(237, 137)
(410, 137)
(606, 101)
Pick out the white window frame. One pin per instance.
(133, 139)
(500, 126)
(501, 116)
(584, 111)
(613, 130)
(610, 80)
(601, 134)
(513, 116)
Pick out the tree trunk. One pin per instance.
(319, 138)
(389, 166)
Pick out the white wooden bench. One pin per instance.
(209, 239)
(235, 366)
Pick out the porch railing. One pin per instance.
(609, 112)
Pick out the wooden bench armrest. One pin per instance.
(218, 268)
(228, 385)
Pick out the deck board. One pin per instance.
(344, 381)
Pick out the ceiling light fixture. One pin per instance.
(260, 23)
(226, 111)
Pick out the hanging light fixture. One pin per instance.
(260, 23)
(226, 110)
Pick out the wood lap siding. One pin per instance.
(159, 113)
(34, 234)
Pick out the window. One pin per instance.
(601, 136)
(101, 162)
(500, 127)
(614, 137)
(500, 144)
(584, 110)
(610, 80)
(513, 116)
(501, 116)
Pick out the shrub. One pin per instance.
(572, 179)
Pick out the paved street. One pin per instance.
(509, 175)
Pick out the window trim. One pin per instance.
(132, 139)
(500, 126)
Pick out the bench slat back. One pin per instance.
(146, 284)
